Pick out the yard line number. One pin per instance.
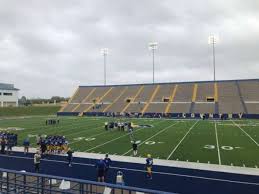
(227, 148)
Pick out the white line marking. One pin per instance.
(217, 141)
(144, 171)
(245, 133)
(83, 131)
(182, 140)
(112, 140)
(151, 137)
(95, 135)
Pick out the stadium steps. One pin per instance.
(108, 99)
(241, 97)
(70, 99)
(171, 99)
(191, 107)
(216, 98)
(81, 94)
(80, 106)
(194, 95)
(151, 99)
(142, 99)
(204, 91)
(184, 92)
(87, 97)
(121, 102)
(216, 95)
(229, 100)
(138, 92)
(250, 94)
(99, 99)
(216, 108)
(122, 92)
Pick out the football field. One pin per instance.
(231, 142)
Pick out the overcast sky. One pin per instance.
(50, 47)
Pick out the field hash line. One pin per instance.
(245, 133)
(182, 140)
(152, 137)
(217, 141)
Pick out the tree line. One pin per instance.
(23, 101)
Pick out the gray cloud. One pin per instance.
(50, 47)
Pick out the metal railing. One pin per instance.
(18, 182)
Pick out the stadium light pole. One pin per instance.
(153, 46)
(104, 52)
(213, 40)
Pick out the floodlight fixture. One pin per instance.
(104, 52)
(153, 46)
(212, 40)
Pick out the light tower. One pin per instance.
(153, 46)
(213, 40)
(104, 52)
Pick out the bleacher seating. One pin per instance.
(224, 97)
(250, 95)
(229, 99)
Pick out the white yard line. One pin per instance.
(216, 132)
(95, 135)
(113, 140)
(245, 132)
(151, 137)
(84, 130)
(182, 140)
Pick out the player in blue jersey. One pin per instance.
(100, 167)
(107, 162)
(149, 165)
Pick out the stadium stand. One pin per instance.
(250, 95)
(229, 99)
(204, 97)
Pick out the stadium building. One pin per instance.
(8, 95)
(228, 98)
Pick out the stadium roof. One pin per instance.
(4, 86)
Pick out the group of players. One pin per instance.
(53, 144)
(121, 126)
(52, 121)
(7, 141)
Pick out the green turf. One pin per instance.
(28, 110)
(216, 142)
